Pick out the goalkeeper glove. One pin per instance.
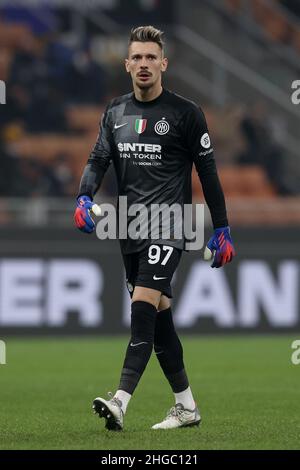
(82, 217)
(220, 248)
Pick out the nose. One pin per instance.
(144, 63)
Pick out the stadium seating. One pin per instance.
(276, 24)
(245, 185)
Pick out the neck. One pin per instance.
(147, 94)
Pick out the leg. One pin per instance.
(169, 353)
(164, 303)
(144, 294)
(143, 315)
(150, 281)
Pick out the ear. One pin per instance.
(127, 65)
(164, 64)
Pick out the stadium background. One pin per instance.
(61, 63)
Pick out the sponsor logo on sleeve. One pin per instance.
(205, 141)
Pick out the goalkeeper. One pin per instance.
(153, 137)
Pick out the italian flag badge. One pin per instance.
(140, 125)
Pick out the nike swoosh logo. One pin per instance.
(120, 125)
(158, 278)
(137, 344)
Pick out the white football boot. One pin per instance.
(111, 410)
(179, 417)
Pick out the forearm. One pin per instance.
(91, 179)
(214, 195)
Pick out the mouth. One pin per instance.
(144, 76)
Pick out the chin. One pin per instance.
(144, 86)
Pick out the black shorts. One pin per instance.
(152, 267)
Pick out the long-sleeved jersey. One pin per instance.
(153, 146)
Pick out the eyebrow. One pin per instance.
(140, 55)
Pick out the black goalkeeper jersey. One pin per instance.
(153, 146)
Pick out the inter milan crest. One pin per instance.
(140, 125)
(162, 127)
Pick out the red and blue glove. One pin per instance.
(220, 248)
(82, 217)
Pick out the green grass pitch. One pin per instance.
(247, 389)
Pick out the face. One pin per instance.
(145, 64)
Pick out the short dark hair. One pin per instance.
(146, 34)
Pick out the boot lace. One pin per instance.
(176, 412)
(114, 400)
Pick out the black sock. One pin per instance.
(143, 316)
(169, 352)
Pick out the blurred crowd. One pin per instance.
(55, 97)
(292, 5)
(277, 23)
(45, 80)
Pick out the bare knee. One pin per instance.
(145, 294)
(164, 303)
